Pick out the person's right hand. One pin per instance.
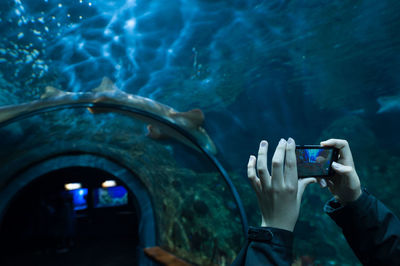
(279, 195)
(345, 184)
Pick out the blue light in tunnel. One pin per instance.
(110, 196)
(79, 198)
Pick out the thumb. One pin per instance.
(303, 183)
(341, 169)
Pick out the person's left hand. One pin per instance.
(279, 195)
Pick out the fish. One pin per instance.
(389, 104)
(107, 92)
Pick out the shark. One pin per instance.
(389, 104)
(107, 92)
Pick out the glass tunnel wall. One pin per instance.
(307, 69)
(196, 215)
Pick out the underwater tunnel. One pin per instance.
(152, 161)
(179, 197)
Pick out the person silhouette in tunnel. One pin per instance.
(370, 228)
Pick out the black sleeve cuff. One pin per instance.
(342, 214)
(271, 235)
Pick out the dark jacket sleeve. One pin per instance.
(266, 246)
(370, 228)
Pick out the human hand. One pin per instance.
(345, 184)
(279, 195)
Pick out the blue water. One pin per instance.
(310, 70)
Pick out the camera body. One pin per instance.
(315, 160)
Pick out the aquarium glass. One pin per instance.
(192, 203)
(257, 69)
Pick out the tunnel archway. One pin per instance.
(198, 214)
(113, 233)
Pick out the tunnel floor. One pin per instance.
(32, 233)
(86, 252)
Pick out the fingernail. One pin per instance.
(282, 141)
(335, 165)
(323, 182)
(290, 141)
(263, 143)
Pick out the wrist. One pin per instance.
(273, 236)
(355, 195)
(278, 226)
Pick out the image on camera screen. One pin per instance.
(313, 162)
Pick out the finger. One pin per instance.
(303, 183)
(251, 174)
(277, 165)
(291, 177)
(342, 145)
(322, 182)
(262, 168)
(330, 184)
(341, 169)
(256, 184)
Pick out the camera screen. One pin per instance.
(313, 162)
